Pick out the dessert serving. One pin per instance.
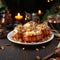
(31, 32)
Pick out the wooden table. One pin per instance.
(14, 51)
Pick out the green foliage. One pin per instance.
(50, 12)
(2, 5)
(54, 10)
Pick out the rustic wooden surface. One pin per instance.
(14, 51)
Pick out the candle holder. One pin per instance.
(18, 19)
(35, 17)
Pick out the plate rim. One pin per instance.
(17, 42)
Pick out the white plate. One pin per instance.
(35, 43)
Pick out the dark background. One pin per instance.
(28, 5)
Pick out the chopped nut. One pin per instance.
(58, 39)
(23, 48)
(58, 46)
(37, 49)
(8, 44)
(2, 47)
(57, 51)
(7, 30)
(38, 57)
(43, 46)
(48, 56)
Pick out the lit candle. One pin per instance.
(48, 0)
(18, 17)
(55, 21)
(39, 12)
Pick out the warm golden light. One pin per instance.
(59, 7)
(26, 17)
(39, 12)
(48, 0)
(18, 17)
(54, 21)
(18, 14)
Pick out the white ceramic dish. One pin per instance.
(25, 43)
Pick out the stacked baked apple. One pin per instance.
(31, 32)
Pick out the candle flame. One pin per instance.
(18, 14)
(55, 22)
(39, 12)
(48, 0)
(18, 17)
